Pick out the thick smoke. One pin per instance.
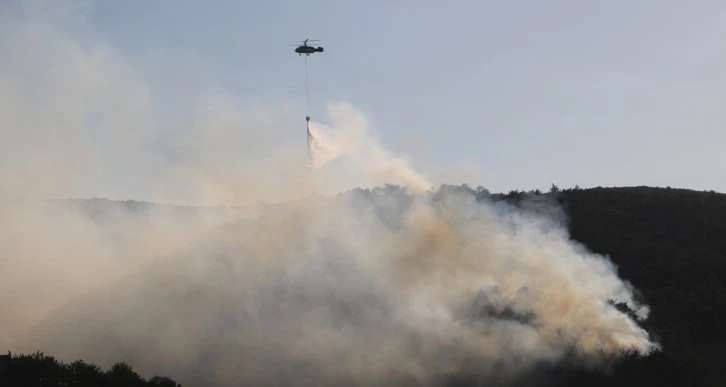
(392, 286)
(373, 288)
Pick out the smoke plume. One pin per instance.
(399, 285)
(349, 137)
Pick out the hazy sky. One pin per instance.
(520, 94)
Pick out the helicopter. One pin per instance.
(307, 50)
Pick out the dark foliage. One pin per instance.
(38, 369)
(670, 244)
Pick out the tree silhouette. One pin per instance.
(37, 369)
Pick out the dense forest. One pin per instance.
(39, 369)
(669, 243)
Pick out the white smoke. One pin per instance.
(380, 288)
(349, 136)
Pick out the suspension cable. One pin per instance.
(307, 96)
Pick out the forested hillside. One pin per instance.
(670, 244)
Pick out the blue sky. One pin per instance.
(516, 94)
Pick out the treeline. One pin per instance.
(38, 369)
(670, 244)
